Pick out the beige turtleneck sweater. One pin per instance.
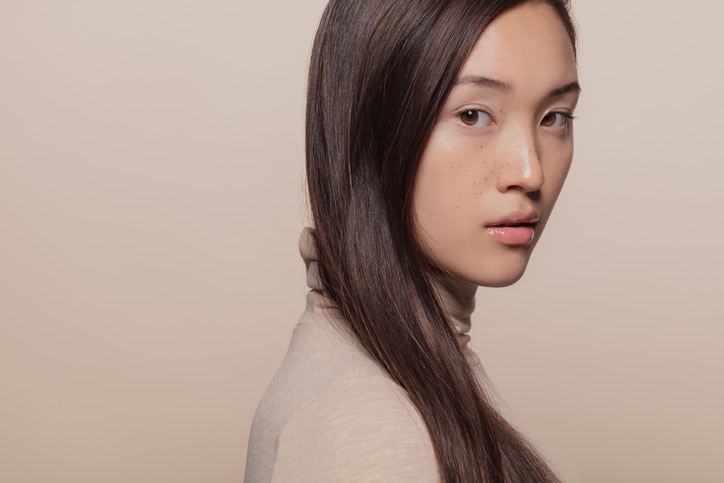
(333, 414)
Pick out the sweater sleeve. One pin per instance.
(361, 429)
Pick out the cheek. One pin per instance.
(449, 198)
(564, 165)
(557, 169)
(453, 164)
(446, 183)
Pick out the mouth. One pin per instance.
(516, 229)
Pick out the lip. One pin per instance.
(517, 218)
(517, 228)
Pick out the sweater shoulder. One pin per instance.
(362, 428)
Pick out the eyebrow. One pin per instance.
(484, 82)
(573, 87)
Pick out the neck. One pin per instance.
(458, 299)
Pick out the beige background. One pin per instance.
(151, 195)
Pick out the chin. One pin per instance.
(503, 275)
(501, 281)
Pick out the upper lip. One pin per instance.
(517, 218)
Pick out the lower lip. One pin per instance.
(512, 235)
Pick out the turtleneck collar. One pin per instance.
(459, 301)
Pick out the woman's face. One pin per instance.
(500, 149)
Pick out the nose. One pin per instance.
(521, 167)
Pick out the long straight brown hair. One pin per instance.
(379, 74)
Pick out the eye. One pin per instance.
(475, 118)
(556, 120)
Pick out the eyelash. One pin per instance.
(567, 117)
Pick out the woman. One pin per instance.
(438, 138)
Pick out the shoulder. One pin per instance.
(358, 429)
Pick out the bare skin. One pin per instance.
(500, 149)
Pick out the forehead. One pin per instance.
(524, 44)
